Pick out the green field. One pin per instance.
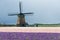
(47, 25)
(34, 25)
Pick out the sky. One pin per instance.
(45, 11)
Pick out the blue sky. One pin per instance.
(45, 11)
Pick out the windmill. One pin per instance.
(21, 17)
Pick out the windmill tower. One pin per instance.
(21, 17)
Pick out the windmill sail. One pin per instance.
(12, 14)
(20, 7)
(28, 13)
